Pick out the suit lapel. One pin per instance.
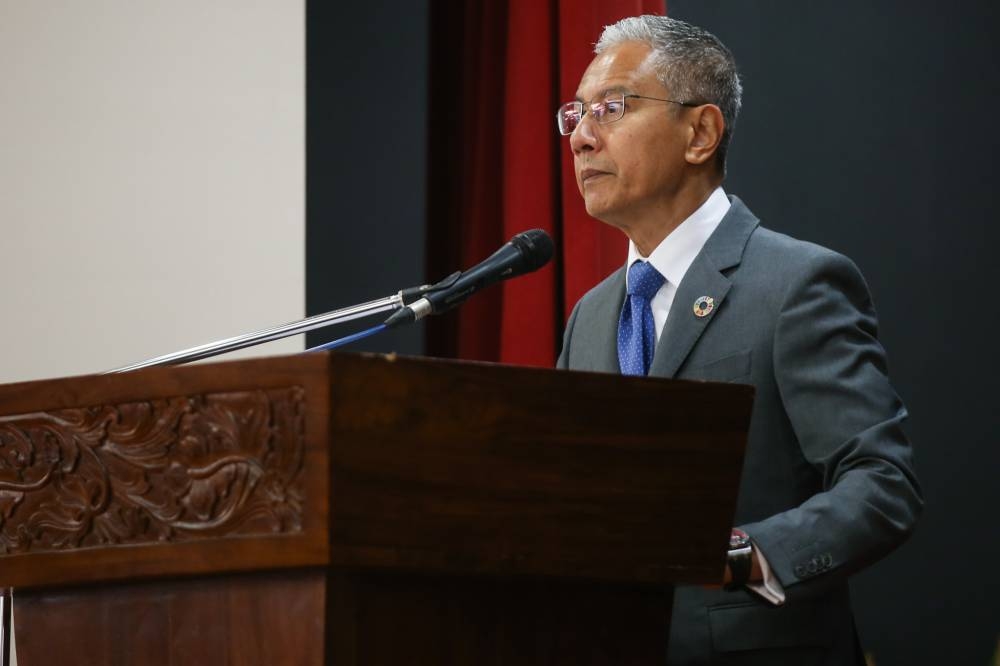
(608, 303)
(723, 250)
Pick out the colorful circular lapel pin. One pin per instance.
(704, 306)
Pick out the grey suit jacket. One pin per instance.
(828, 485)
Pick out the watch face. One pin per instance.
(738, 539)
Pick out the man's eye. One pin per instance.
(613, 106)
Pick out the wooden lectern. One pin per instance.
(361, 509)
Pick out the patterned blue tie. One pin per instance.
(636, 330)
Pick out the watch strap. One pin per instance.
(740, 559)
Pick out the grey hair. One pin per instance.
(690, 62)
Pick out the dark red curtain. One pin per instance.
(499, 69)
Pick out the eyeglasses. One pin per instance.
(606, 111)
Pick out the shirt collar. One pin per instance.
(675, 253)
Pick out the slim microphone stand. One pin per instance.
(340, 316)
(6, 599)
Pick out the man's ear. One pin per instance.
(707, 126)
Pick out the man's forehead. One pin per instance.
(620, 69)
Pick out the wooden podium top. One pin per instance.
(365, 461)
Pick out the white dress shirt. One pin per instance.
(672, 258)
(675, 254)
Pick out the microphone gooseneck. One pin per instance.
(525, 252)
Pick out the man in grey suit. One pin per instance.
(708, 293)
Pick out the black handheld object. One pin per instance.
(525, 252)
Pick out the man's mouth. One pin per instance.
(588, 174)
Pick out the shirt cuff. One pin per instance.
(770, 588)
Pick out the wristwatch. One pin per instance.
(740, 558)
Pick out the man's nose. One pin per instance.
(584, 138)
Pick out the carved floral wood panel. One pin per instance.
(165, 470)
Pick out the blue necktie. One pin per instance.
(636, 330)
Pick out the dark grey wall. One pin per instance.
(869, 127)
(366, 155)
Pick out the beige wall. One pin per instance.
(151, 178)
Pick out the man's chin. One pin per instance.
(596, 208)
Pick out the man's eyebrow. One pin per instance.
(622, 90)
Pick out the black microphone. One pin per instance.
(525, 252)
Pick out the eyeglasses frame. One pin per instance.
(624, 96)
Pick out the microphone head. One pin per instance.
(536, 248)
